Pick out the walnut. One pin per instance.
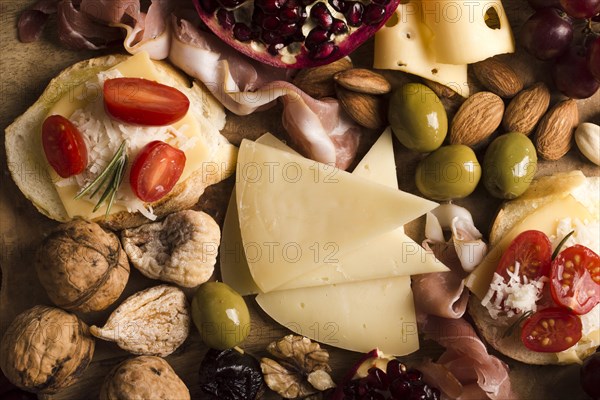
(302, 370)
(155, 322)
(144, 377)
(45, 349)
(181, 249)
(82, 266)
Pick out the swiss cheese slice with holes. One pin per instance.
(295, 214)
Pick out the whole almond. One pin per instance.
(498, 77)
(366, 109)
(555, 131)
(318, 82)
(362, 80)
(526, 108)
(476, 119)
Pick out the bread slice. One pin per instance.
(29, 170)
(541, 192)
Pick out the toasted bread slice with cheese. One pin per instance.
(542, 191)
(31, 173)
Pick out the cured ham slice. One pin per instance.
(32, 21)
(465, 360)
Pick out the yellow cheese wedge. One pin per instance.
(292, 211)
(357, 316)
(466, 31)
(139, 66)
(403, 44)
(545, 219)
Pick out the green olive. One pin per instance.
(221, 315)
(417, 117)
(509, 165)
(450, 172)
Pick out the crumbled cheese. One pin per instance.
(584, 233)
(103, 135)
(516, 296)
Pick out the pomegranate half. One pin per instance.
(295, 33)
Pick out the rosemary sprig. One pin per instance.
(110, 179)
(561, 244)
(515, 324)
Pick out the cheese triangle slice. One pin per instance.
(292, 210)
(391, 254)
(357, 316)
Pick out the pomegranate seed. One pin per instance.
(338, 5)
(373, 14)
(288, 29)
(225, 18)
(316, 37)
(273, 49)
(400, 389)
(271, 23)
(270, 37)
(323, 50)
(377, 379)
(242, 32)
(269, 6)
(395, 369)
(354, 13)
(291, 14)
(413, 375)
(321, 15)
(230, 3)
(210, 6)
(338, 27)
(307, 2)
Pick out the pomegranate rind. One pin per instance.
(302, 59)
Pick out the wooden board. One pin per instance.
(25, 69)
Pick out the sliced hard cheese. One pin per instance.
(355, 316)
(545, 219)
(233, 266)
(466, 31)
(403, 44)
(293, 211)
(388, 255)
(196, 123)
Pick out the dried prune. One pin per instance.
(231, 375)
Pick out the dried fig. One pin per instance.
(144, 377)
(82, 266)
(45, 349)
(155, 322)
(181, 249)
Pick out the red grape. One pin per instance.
(572, 76)
(547, 33)
(593, 58)
(581, 8)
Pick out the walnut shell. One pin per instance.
(82, 266)
(153, 322)
(181, 249)
(144, 377)
(45, 349)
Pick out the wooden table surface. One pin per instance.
(25, 69)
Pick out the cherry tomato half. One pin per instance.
(144, 102)
(573, 279)
(156, 170)
(64, 146)
(532, 250)
(551, 330)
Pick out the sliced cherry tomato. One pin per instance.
(144, 102)
(532, 250)
(156, 170)
(551, 330)
(64, 146)
(574, 278)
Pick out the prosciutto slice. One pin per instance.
(32, 21)
(318, 128)
(465, 361)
